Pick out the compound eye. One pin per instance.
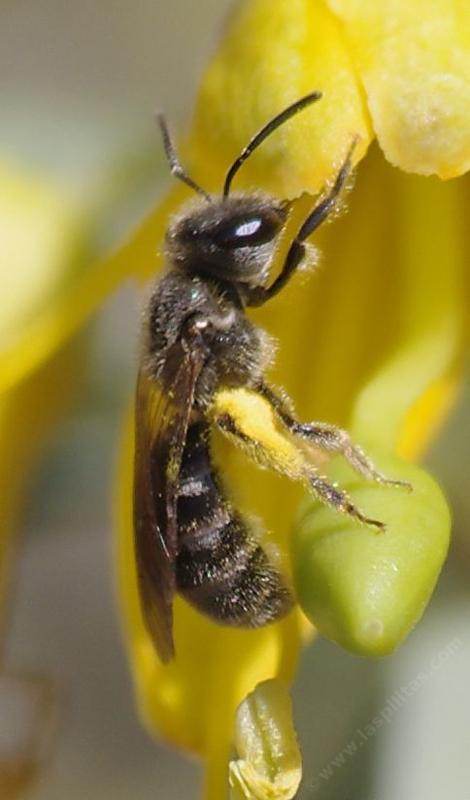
(246, 232)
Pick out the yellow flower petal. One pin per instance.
(36, 233)
(414, 60)
(273, 53)
(42, 241)
(417, 371)
(40, 235)
(65, 285)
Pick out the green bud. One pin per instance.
(269, 764)
(363, 588)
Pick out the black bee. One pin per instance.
(197, 342)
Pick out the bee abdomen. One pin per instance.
(242, 589)
(221, 567)
(224, 571)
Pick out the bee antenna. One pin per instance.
(173, 160)
(265, 131)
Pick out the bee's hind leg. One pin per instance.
(248, 418)
(330, 438)
(333, 496)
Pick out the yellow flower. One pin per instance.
(42, 244)
(41, 247)
(374, 341)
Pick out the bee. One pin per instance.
(203, 366)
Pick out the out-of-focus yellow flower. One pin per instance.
(42, 244)
(374, 341)
(41, 247)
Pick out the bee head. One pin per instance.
(231, 238)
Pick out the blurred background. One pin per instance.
(79, 83)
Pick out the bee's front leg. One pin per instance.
(330, 438)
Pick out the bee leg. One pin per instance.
(248, 419)
(330, 438)
(336, 440)
(296, 252)
(337, 498)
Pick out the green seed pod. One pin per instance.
(363, 588)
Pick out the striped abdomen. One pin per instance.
(221, 568)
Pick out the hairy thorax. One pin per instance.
(239, 352)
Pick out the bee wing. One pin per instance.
(162, 413)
